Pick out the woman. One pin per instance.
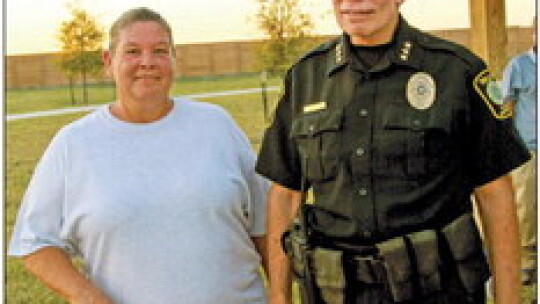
(157, 196)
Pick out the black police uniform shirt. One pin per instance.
(378, 165)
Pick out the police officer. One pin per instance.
(393, 130)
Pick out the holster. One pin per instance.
(296, 246)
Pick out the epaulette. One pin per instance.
(322, 48)
(432, 42)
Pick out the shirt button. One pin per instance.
(362, 192)
(363, 112)
(366, 234)
(311, 128)
(360, 151)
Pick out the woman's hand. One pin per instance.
(54, 267)
(92, 296)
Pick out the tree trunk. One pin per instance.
(264, 80)
(71, 89)
(85, 90)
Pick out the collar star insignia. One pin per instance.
(339, 53)
(405, 50)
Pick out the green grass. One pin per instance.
(23, 101)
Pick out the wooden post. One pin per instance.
(488, 33)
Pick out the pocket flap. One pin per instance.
(397, 117)
(310, 124)
(398, 268)
(329, 271)
(396, 258)
(426, 250)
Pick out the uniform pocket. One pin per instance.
(411, 143)
(318, 138)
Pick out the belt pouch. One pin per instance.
(466, 248)
(329, 275)
(398, 268)
(426, 250)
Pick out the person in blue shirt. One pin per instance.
(520, 90)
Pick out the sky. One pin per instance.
(31, 26)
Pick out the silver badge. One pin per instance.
(421, 91)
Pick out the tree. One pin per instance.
(287, 30)
(81, 39)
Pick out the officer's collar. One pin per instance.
(404, 50)
(341, 54)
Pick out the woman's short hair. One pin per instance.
(136, 15)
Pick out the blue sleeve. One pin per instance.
(511, 81)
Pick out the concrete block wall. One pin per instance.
(204, 59)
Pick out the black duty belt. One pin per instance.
(407, 264)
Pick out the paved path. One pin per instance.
(12, 117)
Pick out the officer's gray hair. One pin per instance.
(136, 15)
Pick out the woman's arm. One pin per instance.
(54, 267)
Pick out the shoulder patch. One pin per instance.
(490, 93)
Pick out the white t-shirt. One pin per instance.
(160, 212)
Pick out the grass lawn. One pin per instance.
(30, 100)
